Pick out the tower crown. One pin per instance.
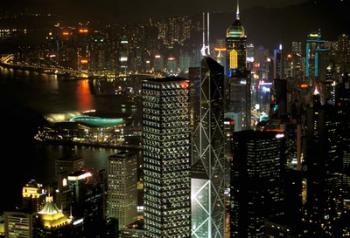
(236, 30)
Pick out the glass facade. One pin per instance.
(208, 150)
(166, 151)
(200, 207)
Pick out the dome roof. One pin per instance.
(236, 30)
(51, 216)
(50, 208)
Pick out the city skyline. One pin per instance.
(152, 121)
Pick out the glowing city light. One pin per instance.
(184, 85)
(83, 30)
(80, 177)
(84, 61)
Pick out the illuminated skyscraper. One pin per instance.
(256, 173)
(314, 45)
(166, 151)
(236, 44)
(158, 63)
(238, 83)
(122, 182)
(208, 187)
(123, 54)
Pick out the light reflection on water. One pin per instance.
(25, 92)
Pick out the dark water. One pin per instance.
(24, 98)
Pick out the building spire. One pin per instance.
(237, 10)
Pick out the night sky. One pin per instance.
(139, 8)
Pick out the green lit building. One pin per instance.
(236, 46)
(238, 82)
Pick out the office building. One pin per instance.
(324, 159)
(236, 44)
(343, 53)
(33, 196)
(122, 184)
(67, 165)
(87, 197)
(19, 224)
(166, 151)
(280, 97)
(314, 45)
(208, 154)
(238, 82)
(278, 69)
(296, 48)
(256, 181)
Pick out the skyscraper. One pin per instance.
(256, 173)
(343, 53)
(314, 45)
(87, 201)
(278, 71)
(324, 159)
(296, 47)
(122, 182)
(166, 151)
(236, 44)
(238, 83)
(208, 154)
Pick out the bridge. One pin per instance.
(6, 61)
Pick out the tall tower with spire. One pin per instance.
(236, 44)
(237, 85)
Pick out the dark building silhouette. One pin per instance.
(257, 170)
